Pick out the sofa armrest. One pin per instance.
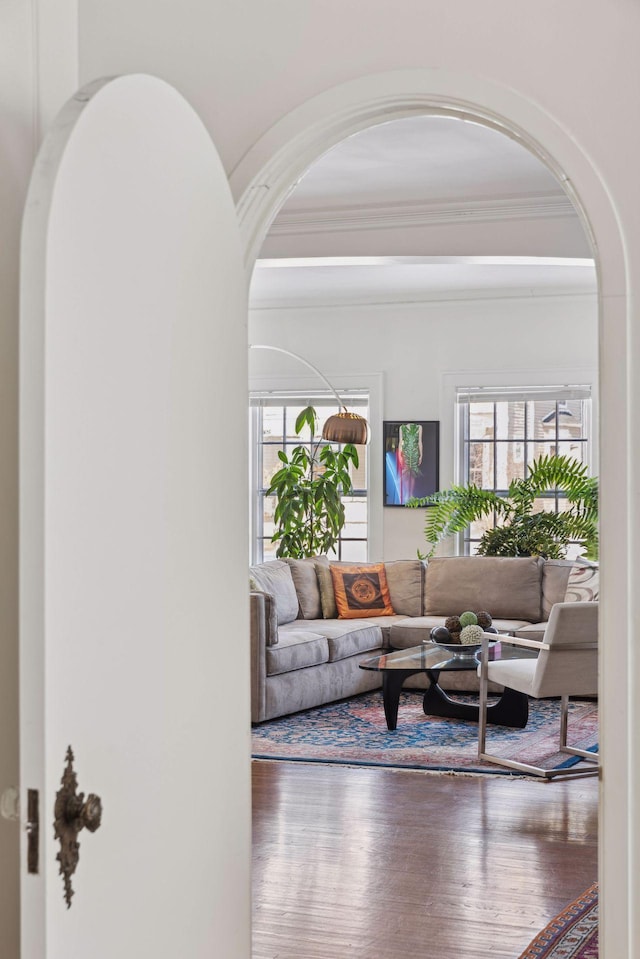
(263, 630)
(269, 616)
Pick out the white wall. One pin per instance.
(38, 70)
(416, 348)
(245, 66)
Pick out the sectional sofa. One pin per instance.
(305, 653)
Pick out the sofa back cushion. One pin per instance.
(305, 580)
(583, 585)
(274, 577)
(555, 575)
(327, 595)
(406, 585)
(508, 588)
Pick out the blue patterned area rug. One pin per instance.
(354, 732)
(571, 935)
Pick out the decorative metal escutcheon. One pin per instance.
(72, 814)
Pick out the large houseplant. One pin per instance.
(308, 488)
(522, 528)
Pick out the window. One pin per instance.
(273, 429)
(502, 431)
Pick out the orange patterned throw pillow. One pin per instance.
(361, 591)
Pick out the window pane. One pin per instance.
(480, 421)
(272, 422)
(353, 551)
(471, 548)
(268, 507)
(481, 464)
(359, 475)
(509, 463)
(573, 450)
(536, 451)
(355, 526)
(355, 509)
(509, 421)
(269, 550)
(574, 550)
(572, 419)
(541, 419)
(544, 504)
(305, 434)
(481, 526)
(270, 464)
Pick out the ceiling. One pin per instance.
(422, 159)
(423, 208)
(288, 283)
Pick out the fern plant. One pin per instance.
(521, 530)
(308, 488)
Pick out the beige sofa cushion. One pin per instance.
(327, 595)
(305, 580)
(296, 649)
(274, 577)
(508, 588)
(406, 585)
(555, 575)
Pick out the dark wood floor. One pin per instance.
(364, 863)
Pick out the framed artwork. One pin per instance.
(411, 460)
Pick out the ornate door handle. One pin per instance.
(72, 814)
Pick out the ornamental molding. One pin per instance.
(390, 216)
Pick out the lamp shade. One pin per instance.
(345, 427)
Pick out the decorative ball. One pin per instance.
(440, 634)
(471, 635)
(484, 619)
(455, 637)
(453, 624)
(468, 619)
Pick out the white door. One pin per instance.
(134, 544)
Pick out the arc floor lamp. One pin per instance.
(342, 427)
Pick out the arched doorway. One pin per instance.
(261, 183)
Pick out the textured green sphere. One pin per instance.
(471, 634)
(468, 619)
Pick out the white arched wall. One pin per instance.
(261, 183)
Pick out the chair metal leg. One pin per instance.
(564, 725)
(572, 771)
(482, 711)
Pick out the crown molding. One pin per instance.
(316, 300)
(389, 216)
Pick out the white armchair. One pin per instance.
(566, 666)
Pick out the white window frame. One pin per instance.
(361, 383)
(453, 383)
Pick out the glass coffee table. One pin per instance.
(511, 709)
